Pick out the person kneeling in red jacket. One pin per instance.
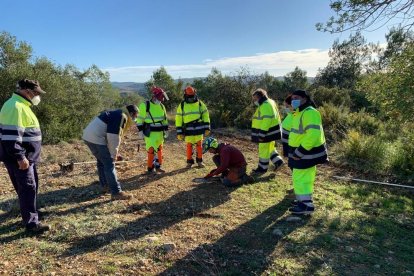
(230, 163)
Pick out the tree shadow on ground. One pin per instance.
(245, 250)
(162, 215)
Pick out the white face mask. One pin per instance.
(256, 103)
(157, 101)
(35, 100)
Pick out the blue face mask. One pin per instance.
(295, 104)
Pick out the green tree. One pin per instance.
(162, 79)
(296, 79)
(73, 96)
(368, 14)
(397, 40)
(392, 90)
(348, 60)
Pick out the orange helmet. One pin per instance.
(190, 91)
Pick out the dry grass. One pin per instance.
(174, 226)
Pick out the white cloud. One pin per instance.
(277, 64)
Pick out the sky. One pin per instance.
(130, 39)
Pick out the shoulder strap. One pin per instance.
(148, 111)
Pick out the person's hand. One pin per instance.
(180, 137)
(206, 132)
(140, 135)
(23, 164)
(208, 176)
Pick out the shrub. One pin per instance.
(402, 162)
(364, 122)
(361, 152)
(336, 96)
(334, 121)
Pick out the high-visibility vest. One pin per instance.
(154, 115)
(266, 122)
(307, 139)
(192, 118)
(20, 132)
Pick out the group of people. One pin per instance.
(301, 134)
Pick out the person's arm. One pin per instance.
(179, 122)
(205, 118)
(312, 125)
(12, 133)
(224, 162)
(114, 132)
(267, 115)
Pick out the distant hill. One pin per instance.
(139, 87)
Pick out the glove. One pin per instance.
(206, 132)
(140, 135)
(166, 133)
(180, 137)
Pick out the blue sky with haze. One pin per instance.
(132, 38)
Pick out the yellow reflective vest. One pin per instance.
(307, 139)
(20, 133)
(192, 118)
(152, 116)
(266, 122)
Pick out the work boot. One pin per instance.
(121, 196)
(104, 190)
(278, 165)
(190, 163)
(160, 170)
(302, 209)
(247, 179)
(150, 171)
(37, 229)
(258, 171)
(201, 165)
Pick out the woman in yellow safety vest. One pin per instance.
(307, 148)
(266, 131)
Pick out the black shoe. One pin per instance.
(159, 170)
(279, 163)
(42, 214)
(294, 202)
(302, 209)
(37, 229)
(259, 171)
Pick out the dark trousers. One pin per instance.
(25, 183)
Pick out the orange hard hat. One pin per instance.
(190, 91)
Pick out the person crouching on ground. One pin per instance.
(103, 137)
(230, 163)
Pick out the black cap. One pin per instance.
(301, 93)
(30, 84)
